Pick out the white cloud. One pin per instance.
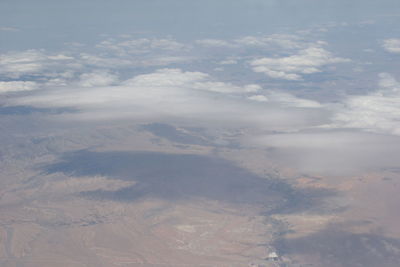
(392, 45)
(9, 29)
(285, 99)
(101, 61)
(141, 45)
(30, 62)
(163, 60)
(213, 43)
(292, 101)
(172, 94)
(259, 98)
(97, 78)
(307, 61)
(228, 62)
(192, 80)
(166, 44)
(273, 41)
(17, 86)
(116, 53)
(285, 41)
(332, 152)
(16, 64)
(376, 112)
(60, 57)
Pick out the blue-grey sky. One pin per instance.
(47, 24)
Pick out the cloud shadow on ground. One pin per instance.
(185, 176)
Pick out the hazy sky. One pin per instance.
(301, 76)
(48, 23)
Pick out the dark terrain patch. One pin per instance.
(185, 176)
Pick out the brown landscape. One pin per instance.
(143, 200)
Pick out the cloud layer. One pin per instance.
(173, 94)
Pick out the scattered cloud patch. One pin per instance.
(228, 62)
(30, 62)
(274, 41)
(117, 53)
(285, 99)
(392, 45)
(376, 112)
(306, 61)
(17, 86)
(97, 78)
(103, 61)
(141, 46)
(291, 100)
(283, 41)
(191, 80)
(9, 29)
(214, 43)
(259, 98)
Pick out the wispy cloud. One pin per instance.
(97, 78)
(9, 29)
(306, 61)
(141, 45)
(330, 152)
(30, 62)
(392, 45)
(376, 112)
(17, 86)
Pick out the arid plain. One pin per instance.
(132, 196)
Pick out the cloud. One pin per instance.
(376, 112)
(124, 61)
(292, 101)
(176, 95)
(9, 29)
(273, 41)
(191, 80)
(98, 86)
(283, 41)
(103, 61)
(285, 99)
(361, 127)
(259, 98)
(214, 43)
(15, 64)
(392, 45)
(141, 45)
(17, 86)
(330, 152)
(30, 62)
(97, 78)
(228, 62)
(307, 61)
(117, 53)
